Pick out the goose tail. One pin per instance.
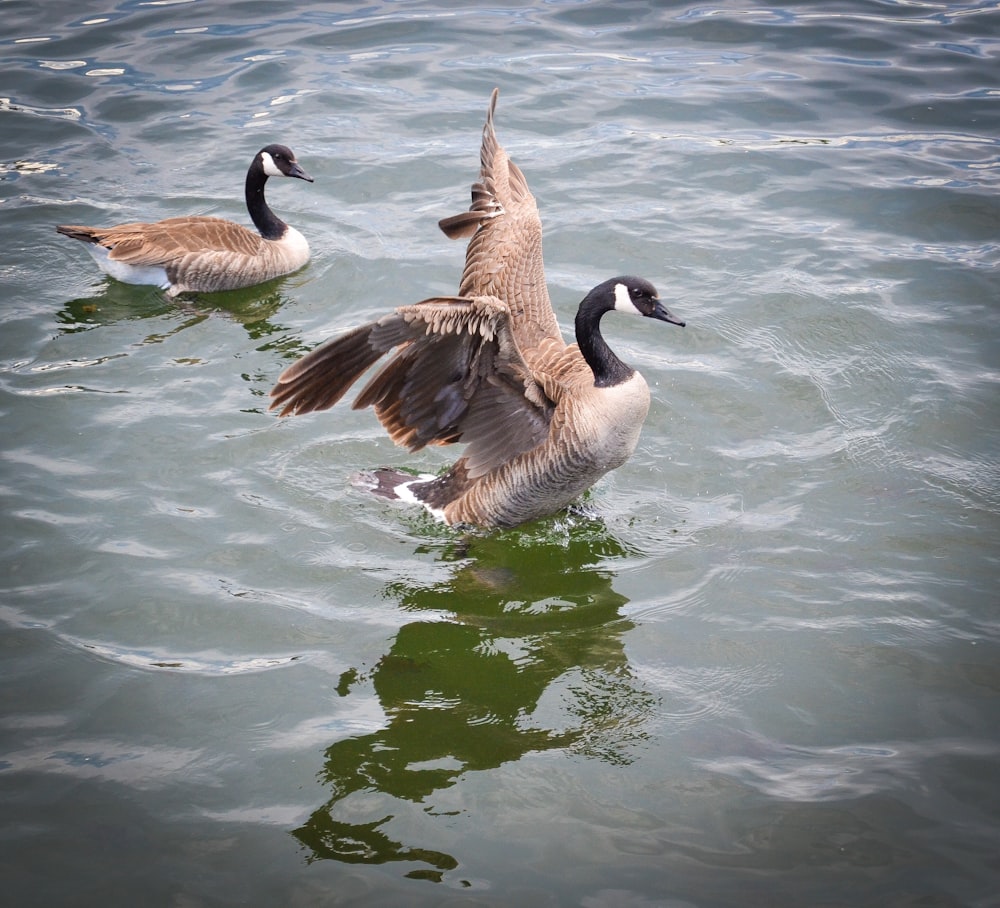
(398, 485)
(386, 482)
(85, 234)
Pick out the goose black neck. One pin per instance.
(271, 227)
(608, 369)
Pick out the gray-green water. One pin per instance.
(760, 669)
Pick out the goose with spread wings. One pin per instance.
(541, 420)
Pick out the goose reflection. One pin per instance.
(254, 308)
(528, 616)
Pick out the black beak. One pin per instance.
(295, 171)
(662, 313)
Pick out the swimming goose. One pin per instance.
(542, 421)
(205, 254)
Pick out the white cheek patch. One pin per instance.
(623, 301)
(270, 168)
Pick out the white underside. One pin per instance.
(128, 274)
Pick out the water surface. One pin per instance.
(758, 666)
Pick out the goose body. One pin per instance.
(542, 421)
(205, 254)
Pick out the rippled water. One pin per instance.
(760, 667)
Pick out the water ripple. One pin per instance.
(816, 774)
(803, 546)
(206, 662)
(140, 767)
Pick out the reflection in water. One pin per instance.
(252, 307)
(114, 302)
(530, 616)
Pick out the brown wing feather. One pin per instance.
(163, 242)
(457, 376)
(321, 377)
(504, 256)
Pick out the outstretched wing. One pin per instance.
(457, 375)
(504, 256)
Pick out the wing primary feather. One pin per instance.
(322, 377)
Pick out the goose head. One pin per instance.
(632, 295)
(639, 297)
(279, 161)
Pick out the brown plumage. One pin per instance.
(205, 254)
(541, 421)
